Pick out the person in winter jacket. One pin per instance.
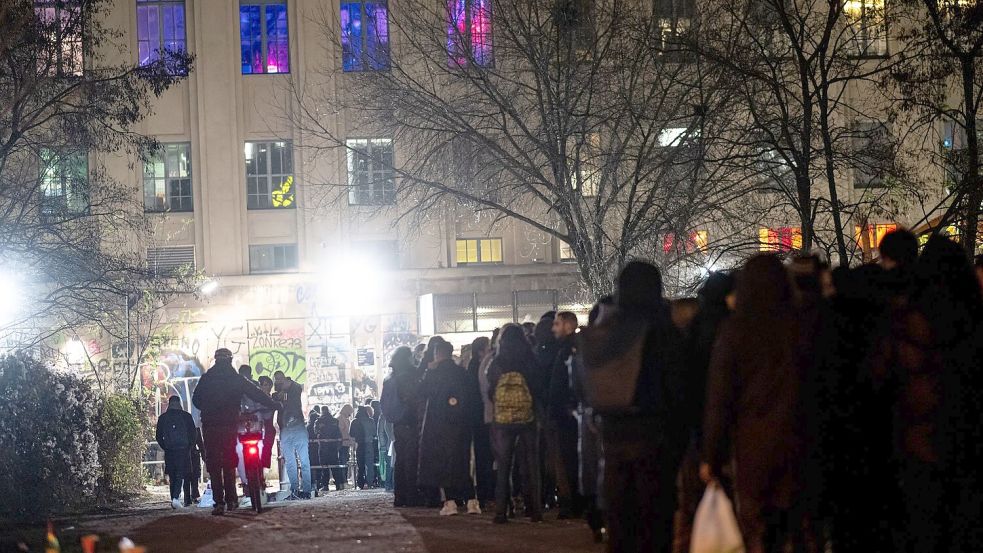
(399, 406)
(484, 459)
(363, 431)
(561, 423)
(347, 443)
(328, 431)
(445, 445)
(294, 441)
(177, 436)
(218, 396)
(516, 394)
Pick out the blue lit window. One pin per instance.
(160, 26)
(365, 36)
(264, 40)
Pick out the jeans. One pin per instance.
(221, 461)
(365, 456)
(177, 468)
(294, 444)
(520, 443)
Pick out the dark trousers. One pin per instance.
(484, 462)
(639, 486)
(521, 443)
(177, 464)
(221, 461)
(365, 457)
(563, 435)
(269, 438)
(407, 449)
(341, 475)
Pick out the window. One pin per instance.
(868, 26)
(870, 238)
(585, 152)
(263, 36)
(61, 24)
(566, 253)
(160, 27)
(871, 141)
(64, 182)
(383, 254)
(781, 239)
(272, 258)
(269, 175)
(677, 136)
(673, 19)
(575, 26)
(479, 250)
(954, 153)
(170, 260)
(365, 36)
(697, 240)
(167, 180)
(371, 178)
(469, 33)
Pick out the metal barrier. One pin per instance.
(350, 468)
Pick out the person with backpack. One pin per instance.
(515, 393)
(445, 439)
(398, 402)
(177, 436)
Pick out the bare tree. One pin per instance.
(70, 235)
(578, 119)
(941, 80)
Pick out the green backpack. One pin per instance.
(513, 401)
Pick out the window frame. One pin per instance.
(478, 249)
(778, 246)
(864, 43)
(286, 175)
(461, 46)
(64, 181)
(58, 6)
(161, 5)
(364, 58)
(388, 192)
(167, 181)
(264, 37)
(284, 249)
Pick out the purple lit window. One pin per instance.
(365, 36)
(160, 26)
(469, 33)
(264, 38)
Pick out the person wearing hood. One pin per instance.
(347, 443)
(218, 396)
(328, 431)
(399, 407)
(177, 436)
(445, 439)
(363, 431)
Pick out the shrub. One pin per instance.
(122, 434)
(48, 444)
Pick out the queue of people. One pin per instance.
(839, 409)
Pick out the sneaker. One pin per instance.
(176, 504)
(218, 510)
(474, 508)
(449, 510)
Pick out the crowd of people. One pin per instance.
(840, 410)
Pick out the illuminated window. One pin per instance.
(160, 27)
(269, 175)
(566, 253)
(263, 36)
(272, 258)
(781, 239)
(673, 19)
(167, 179)
(469, 33)
(697, 240)
(371, 177)
(61, 23)
(64, 182)
(868, 26)
(676, 136)
(479, 250)
(584, 153)
(871, 237)
(365, 36)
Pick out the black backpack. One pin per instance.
(175, 434)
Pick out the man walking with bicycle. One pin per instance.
(218, 396)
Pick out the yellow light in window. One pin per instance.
(473, 251)
(496, 256)
(702, 240)
(462, 251)
(767, 240)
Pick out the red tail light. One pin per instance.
(252, 450)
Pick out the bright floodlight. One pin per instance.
(350, 285)
(209, 287)
(13, 298)
(74, 351)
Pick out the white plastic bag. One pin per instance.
(715, 528)
(207, 501)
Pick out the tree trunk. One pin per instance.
(831, 180)
(973, 193)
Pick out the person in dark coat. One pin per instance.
(644, 446)
(218, 396)
(755, 402)
(445, 445)
(313, 447)
(516, 441)
(364, 433)
(561, 423)
(328, 431)
(177, 436)
(484, 459)
(401, 411)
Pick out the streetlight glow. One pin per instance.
(209, 287)
(350, 285)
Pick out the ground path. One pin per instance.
(350, 521)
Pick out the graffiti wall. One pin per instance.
(278, 346)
